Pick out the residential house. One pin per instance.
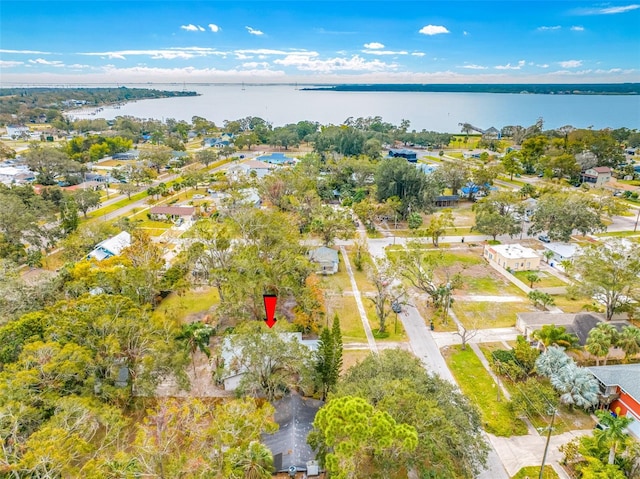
(326, 260)
(277, 159)
(409, 155)
(173, 213)
(127, 155)
(579, 324)
(10, 175)
(426, 168)
(561, 252)
(512, 257)
(620, 391)
(446, 201)
(250, 168)
(596, 176)
(111, 247)
(16, 132)
(491, 133)
(295, 415)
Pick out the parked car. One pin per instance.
(198, 197)
(544, 239)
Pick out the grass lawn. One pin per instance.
(531, 472)
(478, 386)
(117, 205)
(489, 285)
(486, 314)
(350, 322)
(546, 280)
(620, 234)
(191, 302)
(392, 325)
(351, 357)
(568, 305)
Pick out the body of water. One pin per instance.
(282, 104)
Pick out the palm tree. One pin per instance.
(548, 255)
(533, 277)
(253, 462)
(549, 335)
(598, 344)
(629, 341)
(577, 386)
(196, 337)
(552, 361)
(614, 432)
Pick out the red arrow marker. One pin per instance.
(270, 308)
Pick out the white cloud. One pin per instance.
(255, 65)
(192, 28)
(577, 28)
(355, 63)
(262, 51)
(9, 63)
(621, 9)
(214, 28)
(27, 52)
(418, 54)
(508, 66)
(544, 65)
(555, 27)
(433, 30)
(167, 54)
(373, 46)
(253, 31)
(465, 33)
(42, 61)
(571, 64)
(385, 52)
(474, 67)
(607, 10)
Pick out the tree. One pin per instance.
(552, 335)
(206, 157)
(629, 340)
(560, 214)
(614, 432)
(453, 175)
(548, 255)
(387, 291)
(493, 223)
(328, 358)
(395, 381)
(330, 224)
(414, 220)
(128, 189)
(86, 199)
(552, 360)
(69, 215)
(540, 299)
(397, 177)
(271, 364)
(600, 340)
(156, 157)
(438, 225)
(51, 164)
(351, 434)
(609, 272)
(533, 398)
(511, 163)
(466, 334)
(196, 337)
(533, 277)
(577, 386)
(253, 462)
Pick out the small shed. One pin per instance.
(326, 259)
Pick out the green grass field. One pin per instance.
(478, 386)
(531, 472)
(487, 314)
(546, 280)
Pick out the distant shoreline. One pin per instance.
(519, 88)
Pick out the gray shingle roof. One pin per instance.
(627, 376)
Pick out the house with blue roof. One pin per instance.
(111, 246)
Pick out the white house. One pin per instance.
(326, 260)
(513, 256)
(111, 247)
(10, 175)
(561, 251)
(596, 176)
(250, 167)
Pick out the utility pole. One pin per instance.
(546, 446)
(637, 219)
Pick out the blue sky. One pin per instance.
(319, 41)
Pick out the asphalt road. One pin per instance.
(426, 349)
